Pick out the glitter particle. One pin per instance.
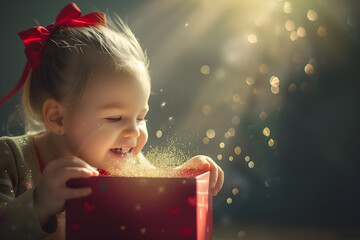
(287, 7)
(267, 182)
(275, 90)
(252, 38)
(163, 104)
(205, 69)
(143, 230)
(249, 81)
(219, 156)
(301, 32)
(289, 25)
(229, 200)
(251, 164)
(266, 132)
(247, 158)
(271, 142)
(263, 116)
(294, 36)
(312, 15)
(222, 145)
(205, 140)
(274, 81)
(237, 150)
(210, 133)
(231, 158)
(322, 31)
(292, 88)
(235, 191)
(309, 69)
(263, 68)
(122, 228)
(159, 134)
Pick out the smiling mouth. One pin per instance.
(122, 152)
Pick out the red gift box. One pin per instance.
(135, 208)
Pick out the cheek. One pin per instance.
(142, 139)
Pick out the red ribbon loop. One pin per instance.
(35, 38)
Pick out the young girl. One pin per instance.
(85, 98)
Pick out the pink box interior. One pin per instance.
(141, 208)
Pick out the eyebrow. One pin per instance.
(118, 106)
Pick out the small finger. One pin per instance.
(75, 172)
(213, 176)
(70, 193)
(219, 183)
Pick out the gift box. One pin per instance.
(135, 208)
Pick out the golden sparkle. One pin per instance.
(251, 164)
(294, 36)
(231, 158)
(271, 142)
(143, 230)
(274, 81)
(301, 32)
(287, 7)
(122, 228)
(312, 15)
(289, 25)
(249, 81)
(235, 191)
(266, 132)
(229, 200)
(206, 109)
(161, 190)
(222, 145)
(263, 115)
(252, 38)
(210, 133)
(275, 90)
(163, 104)
(206, 140)
(247, 158)
(159, 133)
(237, 150)
(236, 98)
(205, 69)
(309, 69)
(322, 31)
(219, 157)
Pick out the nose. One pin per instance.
(131, 130)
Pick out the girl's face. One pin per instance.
(108, 127)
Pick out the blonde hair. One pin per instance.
(70, 58)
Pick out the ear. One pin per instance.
(53, 115)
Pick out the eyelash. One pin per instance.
(116, 119)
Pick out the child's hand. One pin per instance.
(52, 192)
(205, 163)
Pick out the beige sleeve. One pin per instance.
(18, 219)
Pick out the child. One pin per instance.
(85, 98)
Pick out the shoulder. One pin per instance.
(17, 145)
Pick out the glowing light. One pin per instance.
(143, 230)
(312, 15)
(252, 38)
(247, 158)
(249, 81)
(235, 191)
(122, 228)
(287, 7)
(241, 234)
(322, 31)
(271, 142)
(275, 90)
(263, 68)
(219, 157)
(289, 25)
(235, 120)
(161, 190)
(231, 131)
(301, 32)
(294, 36)
(274, 81)
(309, 69)
(222, 145)
(292, 88)
(231, 158)
(266, 132)
(263, 116)
(205, 69)
(206, 140)
(267, 182)
(138, 207)
(210, 133)
(159, 133)
(206, 109)
(229, 200)
(163, 104)
(251, 164)
(186, 25)
(236, 98)
(237, 150)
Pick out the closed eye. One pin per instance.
(114, 119)
(140, 120)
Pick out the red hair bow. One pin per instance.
(35, 38)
